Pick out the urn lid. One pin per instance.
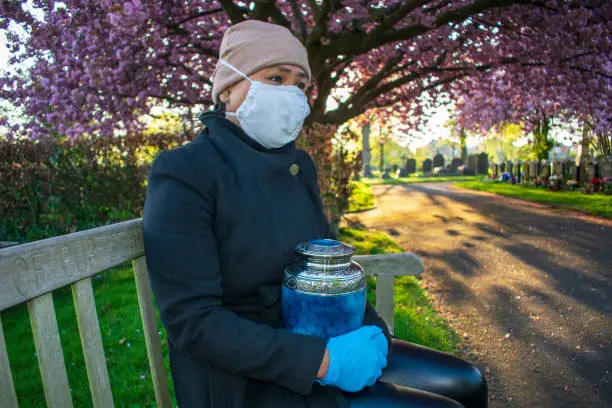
(326, 251)
(325, 267)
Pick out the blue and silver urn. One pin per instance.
(324, 291)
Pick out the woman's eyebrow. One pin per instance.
(301, 74)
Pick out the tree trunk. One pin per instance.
(334, 165)
(463, 139)
(541, 144)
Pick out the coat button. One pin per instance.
(294, 169)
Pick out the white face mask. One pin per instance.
(272, 115)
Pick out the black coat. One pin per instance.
(221, 220)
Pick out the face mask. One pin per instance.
(272, 115)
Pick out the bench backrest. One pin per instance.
(30, 272)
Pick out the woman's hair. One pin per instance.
(219, 107)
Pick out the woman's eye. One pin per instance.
(276, 78)
(301, 85)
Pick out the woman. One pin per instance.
(222, 218)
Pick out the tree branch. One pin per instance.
(234, 11)
(266, 8)
(194, 16)
(360, 42)
(299, 19)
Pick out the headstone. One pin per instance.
(606, 166)
(590, 171)
(558, 169)
(427, 166)
(535, 169)
(403, 172)
(482, 164)
(572, 171)
(411, 166)
(473, 162)
(545, 169)
(466, 171)
(456, 163)
(510, 168)
(438, 160)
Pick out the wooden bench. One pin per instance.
(30, 272)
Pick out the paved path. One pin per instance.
(529, 286)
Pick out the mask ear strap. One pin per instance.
(233, 68)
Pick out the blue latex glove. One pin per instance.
(356, 359)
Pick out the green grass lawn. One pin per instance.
(116, 302)
(362, 198)
(595, 204)
(122, 337)
(420, 179)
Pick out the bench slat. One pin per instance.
(402, 264)
(386, 267)
(149, 322)
(8, 397)
(91, 339)
(30, 270)
(49, 352)
(385, 299)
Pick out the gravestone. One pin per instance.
(606, 166)
(590, 171)
(544, 169)
(427, 166)
(482, 164)
(473, 162)
(533, 169)
(466, 171)
(456, 163)
(438, 160)
(564, 170)
(558, 169)
(510, 167)
(411, 166)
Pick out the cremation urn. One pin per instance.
(324, 290)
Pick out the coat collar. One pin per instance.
(219, 125)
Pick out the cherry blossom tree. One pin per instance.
(101, 64)
(563, 70)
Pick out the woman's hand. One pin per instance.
(324, 365)
(356, 359)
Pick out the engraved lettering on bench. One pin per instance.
(67, 261)
(90, 249)
(22, 268)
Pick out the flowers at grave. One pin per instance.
(541, 182)
(597, 184)
(572, 185)
(554, 183)
(607, 185)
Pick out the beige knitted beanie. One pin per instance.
(253, 45)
